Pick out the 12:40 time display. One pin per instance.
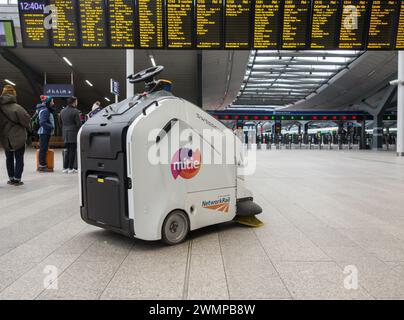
(30, 6)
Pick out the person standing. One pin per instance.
(14, 123)
(71, 124)
(46, 129)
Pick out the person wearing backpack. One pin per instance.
(14, 123)
(46, 128)
(71, 124)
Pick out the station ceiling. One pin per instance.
(277, 78)
(316, 80)
(358, 87)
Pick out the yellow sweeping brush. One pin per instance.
(250, 221)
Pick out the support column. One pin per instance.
(363, 135)
(130, 69)
(400, 105)
(378, 132)
(305, 131)
(199, 79)
(340, 128)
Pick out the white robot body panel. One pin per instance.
(146, 157)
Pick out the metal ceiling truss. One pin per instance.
(280, 78)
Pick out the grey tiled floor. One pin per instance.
(323, 211)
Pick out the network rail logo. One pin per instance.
(222, 204)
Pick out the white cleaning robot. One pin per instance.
(128, 186)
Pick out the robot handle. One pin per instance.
(146, 75)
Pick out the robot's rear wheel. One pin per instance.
(175, 227)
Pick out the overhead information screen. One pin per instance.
(266, 24)
(122, 23)
(93, 23)
(352, 27)
(237, 24)
(151, 26)
(325, 24)
(214, 24)
(180, 23)
(32, 17)
(400, 29)
(381, 32)
(209, 24)
(66, 31)
(7, 34)
(296, 14)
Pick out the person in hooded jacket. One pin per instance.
(46, 129)
(14, 123)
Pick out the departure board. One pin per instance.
(180, 23)
(296, 14)
(65, 33)
(352, 28)
(325, 24)
(237, 24)
(122, 23)
(213, 24)
(32, 17)
(400, 29)
(151, 25)
(381, 32)
(93, 23)
(267, 15)
(209, 24)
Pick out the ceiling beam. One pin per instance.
(278, 62)
(333, 54)
(294, 70)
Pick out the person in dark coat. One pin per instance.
(14, 123)
(71, 124)
(46, 128)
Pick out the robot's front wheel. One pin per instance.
(175, 227)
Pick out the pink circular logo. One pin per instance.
(186, 163)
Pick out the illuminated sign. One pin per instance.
(352, 27)
(65, 34)
(296, 15)
(7, 34)
(266, 24)
(400, 29)
(122, 23)
(32, 17)
(209, 24)
(150, 24)
(237, 24)
(93, 23)
(179, 23)
(214, 24)
(325, 22)
(382, 18)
